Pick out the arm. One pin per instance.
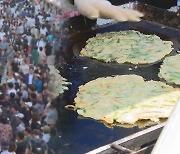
(103, 9)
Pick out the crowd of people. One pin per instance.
(28, 114)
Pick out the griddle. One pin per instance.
(87, 134)
(88, 69)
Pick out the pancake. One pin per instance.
(127, 47)
(125, 99)
(170, 70)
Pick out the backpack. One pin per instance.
(37, 147)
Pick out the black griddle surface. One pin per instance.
(80, 135)
(91, 69)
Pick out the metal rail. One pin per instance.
(138, 143)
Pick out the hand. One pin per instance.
(104, 9)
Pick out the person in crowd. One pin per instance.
(50, 37)
(28, 78)
(1, 70)
(10, 54)
(31, 89)
(45, 77)
(3, 59)
(12, 98)
(35, 122)
(54, 140)
(12, 111)
(46, 133)
(38, 69)
(40, 18)
(5, 129)
(42, 54)
(17, 83)
(35, 55)
(10, 76)
(43, 65)
(12, 147)
(4, 43)
(45, 96)
(51, 115)
(38, 83)
(48, 48)
(27, 135)
(26, 39)
(25, 108)
(21, 144)
(33, 42)
(5, 103)
(15, 65)
(5, 147)
(41, 43)
(30, 21)
(20, 58)
(20, 126)
(56, 46)
(43, 30)
(18, 97)
(2, 34)
(20, 29)
(11, 88)
(24, 91)
(24, 67)
(35, 32)
(39, 104)
(37, 145)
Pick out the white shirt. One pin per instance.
(46, 137)
(11, 91)
(40, 17)
(1, 22)
(43, 31)
(30, 78)
(41, 43)
(16, 14)
(30, 22)
(24, 94)
(42, 56)
(35, 32)
(2, 35)
(29, 38)
(37, 8)
(24, 68)
(21, 127)
(52, 115)
(5, 152)
(20, 29)
(11, 80)
(20, 60)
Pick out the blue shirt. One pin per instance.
(38, 85)
(50, 38)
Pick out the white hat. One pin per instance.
(16, 74)
(20, 127)
(29, 104)
(45, 129)
(20, 115)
